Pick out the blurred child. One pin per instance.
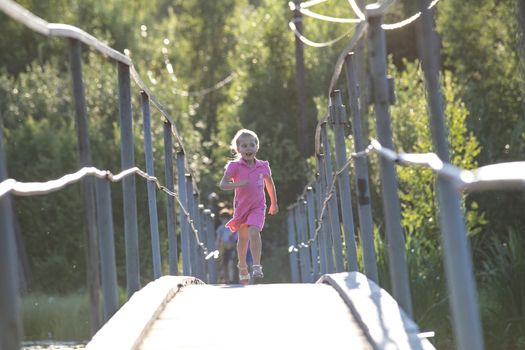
(226, 242)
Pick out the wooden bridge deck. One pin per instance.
(340, 311)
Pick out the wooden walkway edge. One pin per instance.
(343, 310)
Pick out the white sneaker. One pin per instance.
(257, 271)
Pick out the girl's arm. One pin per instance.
(227, 183)
(270, 188)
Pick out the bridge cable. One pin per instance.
(408, 20)
(311, 43)
(40, 188)
(294, 7)
(489, 177)
(169, 67)
(361, 18)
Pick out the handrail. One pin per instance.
(22, 15)
(490, 177)
(41, 188)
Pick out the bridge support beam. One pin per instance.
(127, 157)
(338, 121)
(294, 266)
(184, 221)
(364, 205)
(210, 234)
(458, 260)
(302, 235)
(191, 222)
(88, 186)
(333, 211)
(152, 195)
(391, 205)
(327, 257)
(314, 246)
(170, 201)
(10, 322)
(107, 248)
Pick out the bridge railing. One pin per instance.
(196, 223)
(317, 235)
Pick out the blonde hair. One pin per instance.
(235, 141)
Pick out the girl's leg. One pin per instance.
(242, 248)
(242, 245)
(255, 244)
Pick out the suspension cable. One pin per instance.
(408, 20)
(311, 43)
(40, 188)
(490, 177)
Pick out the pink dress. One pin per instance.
(249, 203)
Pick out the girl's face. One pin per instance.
(247, 147)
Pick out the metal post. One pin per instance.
(128, 183)
(10, 319)
(310, 200)
(338, 121)
(204, 238)
(88, 187)
(396, 241)
(302, 260)
(152, 195)
(304, 270)
(305, 146)
(458, 260)
(199, 208)
(107, 248)
(363, 78)
(326, 241)
(170, 201)
(303, 221)
(184, 228)
(191, 223)
(294, 267)
(210, 230)
(333, 211)
(364, 205)
(320, 235)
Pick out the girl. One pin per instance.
(248, 176)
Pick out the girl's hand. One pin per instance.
(274, 209)
(242, 183)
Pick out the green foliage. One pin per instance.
(41, 144)
(479, 42)
(56, 317)
(411, 132)
(480, 45)
(504, 307)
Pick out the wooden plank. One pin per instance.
(383, 320)
(276, 316)
(125, 329)
(344, 310)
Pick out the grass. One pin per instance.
(59, 317)
(503, 291)
(63, 318)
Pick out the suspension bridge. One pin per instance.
(328, 303)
